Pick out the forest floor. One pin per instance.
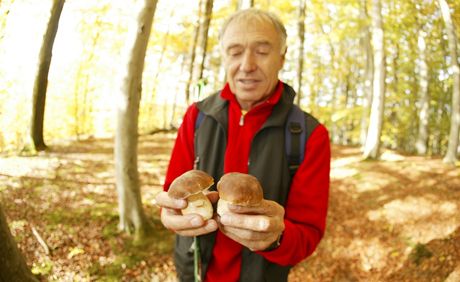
(391, 220)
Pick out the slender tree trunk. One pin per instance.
(172, 123)
(372, 145)
(41, 78)
(151, 103)
(13, 266)
(193, 56)
(203, 38)
(132, 216)
(368, 75)
(300, 58)
(451, 153)
(421, 144)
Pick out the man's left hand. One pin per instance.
(254, 227)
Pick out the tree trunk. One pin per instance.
(372, 146)
(193, 56)
(41, 78)
(300, 58)
(172, 123)
(151, 101)
(451, 154)
(368, 75)
(132, 216)
(421, 145)
(203, 38)
(13, 266)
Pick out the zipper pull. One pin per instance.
(243, 113)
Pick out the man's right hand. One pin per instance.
(184, 225)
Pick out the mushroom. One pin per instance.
(190, 186)
(238, 189)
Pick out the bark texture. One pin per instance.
(451, 154)
(13, 266)
(132, 216)
(41, 78)
(372, 145)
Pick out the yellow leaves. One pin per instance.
(74, 252)
(43, 268)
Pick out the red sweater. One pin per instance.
(306, 206)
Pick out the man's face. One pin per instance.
(252, 59)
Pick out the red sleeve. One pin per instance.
(306, 207)
(183, 153)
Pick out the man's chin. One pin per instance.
(247, 95)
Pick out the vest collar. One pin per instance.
(216, 106)
(282, 108)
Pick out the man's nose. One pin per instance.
(248, 62)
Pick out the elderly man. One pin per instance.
(243, 130)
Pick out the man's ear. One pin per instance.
(283, 56)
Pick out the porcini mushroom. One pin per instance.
(190, 186)
(238, 189)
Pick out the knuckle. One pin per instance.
(265, 225)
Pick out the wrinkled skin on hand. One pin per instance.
(254, 227)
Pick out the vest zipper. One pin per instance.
(243, 113)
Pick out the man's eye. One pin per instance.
(262, 51)
(235, 54)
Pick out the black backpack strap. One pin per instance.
(199, 119)
(299, 126)
(294, 137)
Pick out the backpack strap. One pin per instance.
(299, 126)
(199, 119)
(295, 138)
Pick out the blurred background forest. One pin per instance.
(335, 82)
(382, 75)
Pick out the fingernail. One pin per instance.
(196, 221)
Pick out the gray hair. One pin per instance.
(260, 16)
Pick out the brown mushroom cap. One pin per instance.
(240, 189)
(190, 183)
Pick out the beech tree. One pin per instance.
(372, 145)
(41, 78)
(300, 58)
(424, 98)
(368, 72)
(132, 216)
(203, 36)
(13, 266)
(192, 55)
(451, 154)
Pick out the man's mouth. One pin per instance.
(247, 82)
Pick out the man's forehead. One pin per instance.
(240, 33)
(251, 41)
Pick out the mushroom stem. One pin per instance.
(198, 203)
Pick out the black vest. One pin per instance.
(267, 162)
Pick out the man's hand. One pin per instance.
(254, 227)
(185, 225)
